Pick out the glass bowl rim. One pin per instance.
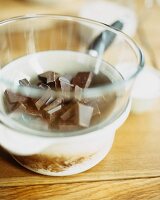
(108, 87)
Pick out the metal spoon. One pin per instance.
(105, 38)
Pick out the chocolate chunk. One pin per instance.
(69, 113)
(14, 97)
(28, 108)
(21, 108)
(45, 99)
(66, 78)
(14, 101)
(51, 111)
(82, 79)
(49, 95)
(24, 82)
(78, 92)
(54, 104)
(31, 109)
(78, 114)
(55, 109)
(52, 115)
(93, 103)
(48, 77)
(56, 85)
(43, 86)
(50, 100)
(10, 107)
(85, 114)
(65, 87)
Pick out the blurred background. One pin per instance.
(141, 17)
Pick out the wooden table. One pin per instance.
(132, 168)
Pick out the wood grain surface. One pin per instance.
(136, 189)
(132, 168)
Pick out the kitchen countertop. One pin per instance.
(132, 168)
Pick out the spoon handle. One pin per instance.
(107, 37)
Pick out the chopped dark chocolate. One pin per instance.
(65, 88)
(50, 100)
(54, 104)
(64, 79)
(10, 107)
(51, 111)
(85, 114)
(21, 108)
(46, 98)
(78, 92)
(43, 86)
(93, 103)
(52, 114)
(14, 97)
(82, 79)
(31, 109)
(55, 109)
(48, 77)
(62, 105)
(69, 113)
(78, 114)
